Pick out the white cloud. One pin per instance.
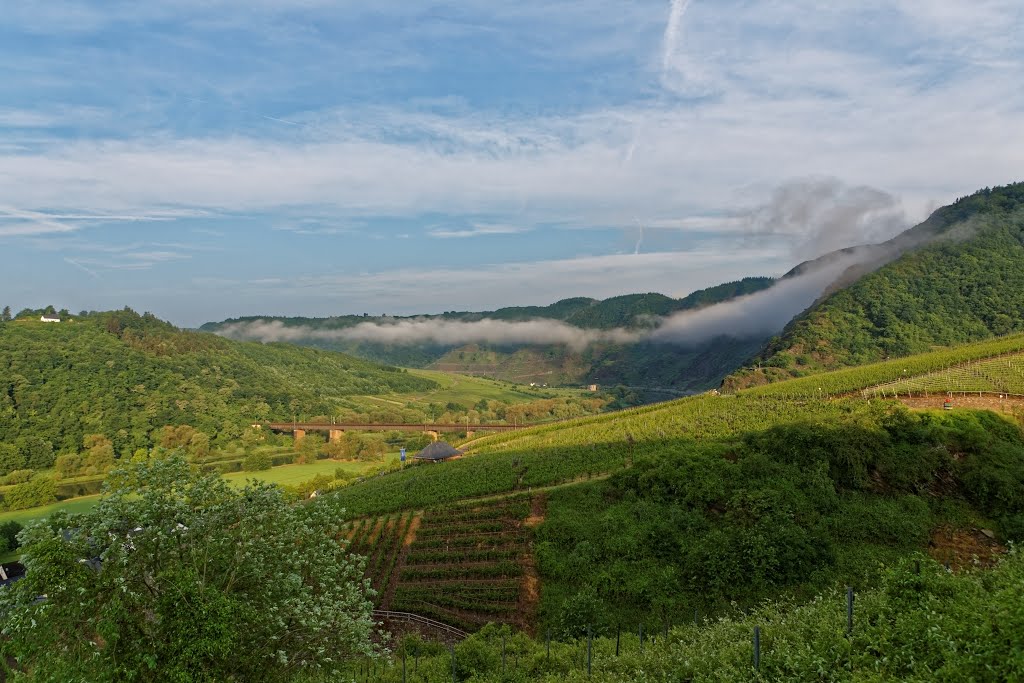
(918, 98)
(814, 104)
(759, 314)
(409, 291)
(15, 222)
(477, 230)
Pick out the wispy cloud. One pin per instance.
(316, 226)
(127, 262)
(16, 222)
(477, 230)
(319, 117)
(670, 41)
(755, 315)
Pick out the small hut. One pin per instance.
(439, 451)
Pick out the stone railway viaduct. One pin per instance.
(335, 430)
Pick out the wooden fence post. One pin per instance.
(849, 610)
(757, 648)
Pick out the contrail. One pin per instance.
(675, 21)
(641, 239)
(245, 111)
(76, 264)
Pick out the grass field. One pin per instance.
(289, 475)
(73, 505)
(469, 390)
(285, 475)
(23, 517)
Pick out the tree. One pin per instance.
(308, 448)
(68, 465)
(9, 535)
(11, 459)
(373, 449)
(37, 451)
(199, 446)
(188, 579)
(99, 457)
(5, 316)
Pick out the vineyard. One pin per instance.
(947, 370)
(999, 375)
(580, 449)
(464, 565)
(382, 540)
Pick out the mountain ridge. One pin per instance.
(958, 282)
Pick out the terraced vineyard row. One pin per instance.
(863, 377)
(381, 541)
(1001, 375)
(464, 567)
(578, 449)
(460, 564)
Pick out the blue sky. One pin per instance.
(214, 158)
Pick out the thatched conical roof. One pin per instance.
(439, 450)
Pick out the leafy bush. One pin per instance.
(259, 460)
(199, 582)
(37, 491)
(908, 626)
(17, 477)
(11, 458)
(9, 536)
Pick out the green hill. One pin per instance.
(966, 285)
(651, 371)
(124, 375)
(990, 366)
(697, 504)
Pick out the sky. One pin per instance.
(205, 159)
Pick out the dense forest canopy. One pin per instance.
(966, 285)
(125, 375)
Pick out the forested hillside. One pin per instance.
(967, 285)
(647, 369)
(123, 375)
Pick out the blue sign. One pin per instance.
(402, 454)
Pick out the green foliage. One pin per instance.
(916, 627)
(9, 536)
(37, 450)
(126, 376)
(11, 458)
(566, 451)
(257, 461)
(17, 477)
(188, 579)
(308, 448)
(987, 366)
(714, 499)
(701, 526)
(967, 285)
(37, 491)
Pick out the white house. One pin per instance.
(49, 320)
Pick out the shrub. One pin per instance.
(9, 536)
(33, 493)
(255, 462)
(18, 477)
